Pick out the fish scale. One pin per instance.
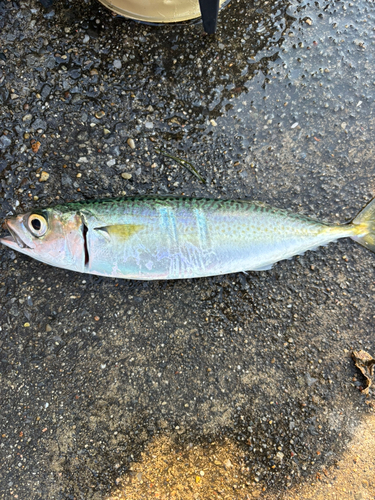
(155, 237)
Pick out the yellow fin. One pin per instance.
(365, 224)
(121, 231)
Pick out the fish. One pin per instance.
(165, 237)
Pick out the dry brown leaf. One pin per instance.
(365, 363)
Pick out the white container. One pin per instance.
(156, 11)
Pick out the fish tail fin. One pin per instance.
(364, 226)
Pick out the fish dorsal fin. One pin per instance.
(119, 232)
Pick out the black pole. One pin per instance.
(209, 11)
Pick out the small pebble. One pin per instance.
(126, 176)
(35, 146)
(131, 143)
(310, 380)
(4, 142)
(44, 176)
(99, 114)
(117, 63)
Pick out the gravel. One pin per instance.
(94, 371)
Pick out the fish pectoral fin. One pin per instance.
(120, 232)
(103, 232)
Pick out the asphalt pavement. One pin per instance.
(246, 378)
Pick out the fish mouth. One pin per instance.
(13, 240)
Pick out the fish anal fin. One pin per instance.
(267, 267)
(119, 232)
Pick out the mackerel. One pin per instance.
(154, 237)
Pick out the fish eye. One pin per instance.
(37, 225)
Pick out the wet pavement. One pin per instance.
(279, 107)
